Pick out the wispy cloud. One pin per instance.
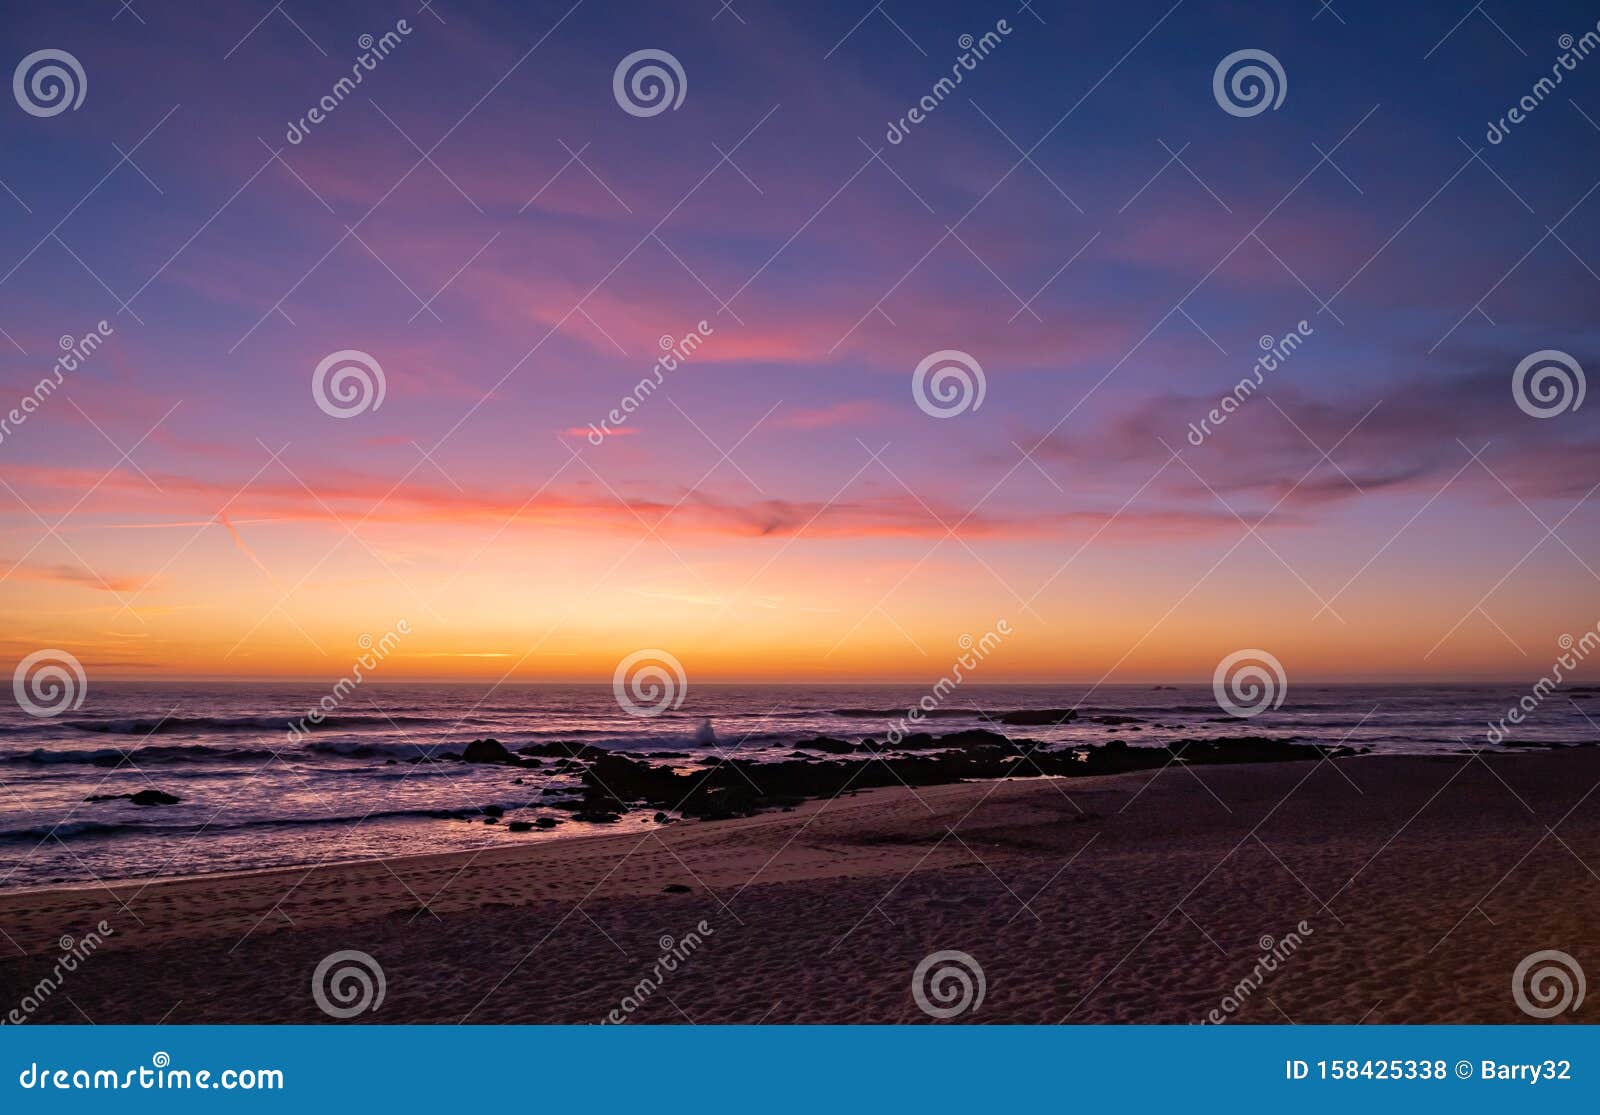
(75, 576)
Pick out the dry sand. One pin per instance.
(1133, 898)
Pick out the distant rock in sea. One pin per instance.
(143, 797)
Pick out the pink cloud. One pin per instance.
(339, 498)
(854, 413)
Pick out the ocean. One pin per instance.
(249, 796)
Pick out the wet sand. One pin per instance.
(1144, 897)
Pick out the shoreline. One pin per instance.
(142, 882)
(578, 788)
(1123, 897)
(962, 758)
(527, 854)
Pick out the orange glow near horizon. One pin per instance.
(261, 599)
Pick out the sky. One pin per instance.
(1080, 217)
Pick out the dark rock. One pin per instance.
(486, 751)
(558, 749)
(675, 888)
(828, 744)
(977, 737)
(520, 826)
(596, 817)
(143, 797)
(493, 811)
(738, 787)
(546, 822)
(973, 737)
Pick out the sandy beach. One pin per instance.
(1412, 886)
